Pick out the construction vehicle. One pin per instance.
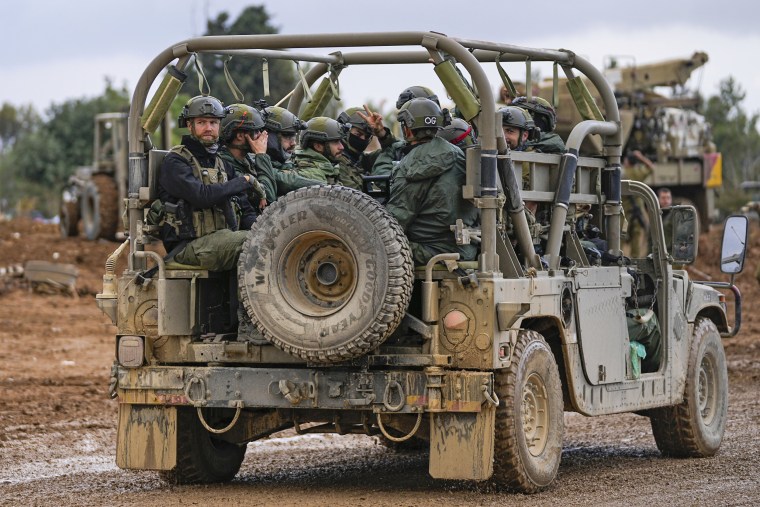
(667, 129)
(93, 194)
(475, 360)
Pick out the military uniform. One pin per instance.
(353, 165)
(388, 158)
(426, 199)
(201, 197)
(550, 142)
(313, 165)
(249, 165)
(635, 212)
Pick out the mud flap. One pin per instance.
(462, 444)
(147, 437)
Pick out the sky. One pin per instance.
(55, 51)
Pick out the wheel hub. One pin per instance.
(535, 414)
(706, 394)
(318, 273)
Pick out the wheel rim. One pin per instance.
(706, 390)
(318, 273)
(535, 414)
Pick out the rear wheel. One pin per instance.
(695, 427)
(529, 419)
(201, 457)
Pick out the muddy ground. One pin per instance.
(58, 426)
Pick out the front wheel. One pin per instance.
(529, 419)
(695, 427)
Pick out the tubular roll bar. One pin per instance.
(469, 53)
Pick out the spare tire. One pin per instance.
(326, 274)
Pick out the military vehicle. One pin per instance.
(667, 129)
(476, 361)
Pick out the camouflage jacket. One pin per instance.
(284, 179)
(315, 166)
(249, 165)
(549, 142)
(426, 199)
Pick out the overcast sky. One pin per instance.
(55, 50)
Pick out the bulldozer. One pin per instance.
(91, 199)
(666, 129)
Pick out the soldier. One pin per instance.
(518, 127)
(354, 162)
(636, 167)
(426, 196)
(391, 155)
(282, 127)
(245, 144)
(198, 190)
(459, 133)
(321, 148)
(545, 118)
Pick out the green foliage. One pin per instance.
(734, 133)
(246, 71)
(15, 122)
(41, 156)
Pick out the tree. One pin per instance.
(246, 71)
(734, 133)
(43, 155)
(15, 122)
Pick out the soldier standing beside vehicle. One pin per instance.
(244, 149)
(321, 148)
(636, 167)
(426, 191)
(200, 192)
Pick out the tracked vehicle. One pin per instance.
(474, 361)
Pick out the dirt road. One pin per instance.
(57, 425)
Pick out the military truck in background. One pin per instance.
(476, 361)
(667, 129)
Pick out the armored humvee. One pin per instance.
(475, 361)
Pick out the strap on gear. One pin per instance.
(203, 85)
(505, 78)
(239, 96)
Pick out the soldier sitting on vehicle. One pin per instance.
(459, 133)
(545, 119)
(392, 154)
(244, 149)
(200, 191)
(426, 196)
(321, 148)
(354, 161)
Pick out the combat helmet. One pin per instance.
(201, 106)
(414, 92)
(352, 119)
(537, 106)
(517, 117)
(421, 113)
(322, 130)
(459, 133)
(280, 120)
(241, 117)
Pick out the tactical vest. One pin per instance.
(204, 221)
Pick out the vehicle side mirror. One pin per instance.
(685, 237)
(735, 233)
